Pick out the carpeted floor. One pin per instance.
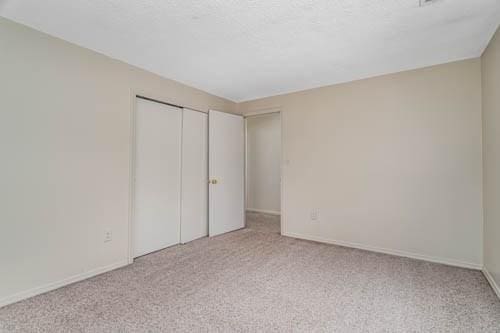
(256, 280)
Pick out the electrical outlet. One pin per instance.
(314, 215)
(108, 236)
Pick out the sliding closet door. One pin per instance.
(157, 189)
(194, 219)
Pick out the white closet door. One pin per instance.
(157, 177)
(194, 218)
(226, 169)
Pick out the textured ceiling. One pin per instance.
(243, 50)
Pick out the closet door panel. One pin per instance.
(157, 184)
(226, 172)
(194, 211)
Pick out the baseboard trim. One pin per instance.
(491, 281)
(445, 261)
(58, 284)
(263, 211)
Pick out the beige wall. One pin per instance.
(391, 163)
(491, 155)
(263, 152)
(65, 145)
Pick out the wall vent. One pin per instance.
(426, 2)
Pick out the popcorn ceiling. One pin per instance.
(244, 50)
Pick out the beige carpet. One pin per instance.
(256, 280)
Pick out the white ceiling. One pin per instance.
(243, 50)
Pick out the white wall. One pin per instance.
(65, 146)
(491, 151)
(391, 163)
(263, 163)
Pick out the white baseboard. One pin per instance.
(492, 281)
(263, 211)
(58, 284)
(445, 261)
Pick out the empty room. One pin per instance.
(250, 166)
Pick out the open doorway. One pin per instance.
(263, 172)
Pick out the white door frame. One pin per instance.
(131, 197)
(282, 182)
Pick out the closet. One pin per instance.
(172, 165)
(170, 194)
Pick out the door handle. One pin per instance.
(213, 181)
